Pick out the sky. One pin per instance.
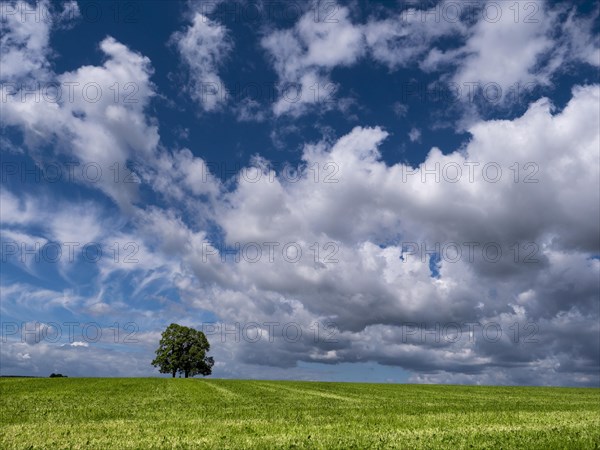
(395, 192)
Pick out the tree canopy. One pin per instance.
(183, 350)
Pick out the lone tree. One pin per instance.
(183, 349)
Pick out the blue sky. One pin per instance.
(358, 191)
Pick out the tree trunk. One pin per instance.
(186, 374)
(174, 373)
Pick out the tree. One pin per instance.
(183, 349)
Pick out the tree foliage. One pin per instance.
(183, 350)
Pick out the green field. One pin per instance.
(190, 413)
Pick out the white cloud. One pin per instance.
(402, 39)
(481, 50)
(506, 51)
(203, 47)
(371, 203)
(90, 124)
(414, 134)
(26, 31)
(26, 27)
(364, 213)
(79, 344)
(303, 57)
(518, 54)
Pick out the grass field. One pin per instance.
(184, 413)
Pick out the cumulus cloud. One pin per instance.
(477, 44)
(26, 28)
(346, 239)
(414, 134)
(404, 38)
(83, 120)
(203, 47)
(518, 50)
(387, 305)
(503, 39)
(372, 287)
(303, 57)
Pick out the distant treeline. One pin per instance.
(52, 375)
(18, 376)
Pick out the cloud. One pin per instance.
(523, 44)
(29, 31)
(79, 344)
(203, 47)
(345, 238)
(324, 39)
(304, 55)
(45, 358)
(414, 134)
(513, 54)
(365, 281)
(403, 38)
(371, 285)
(480, 46)
(24, 45)
(82, 119)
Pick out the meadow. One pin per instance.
(108, 413)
